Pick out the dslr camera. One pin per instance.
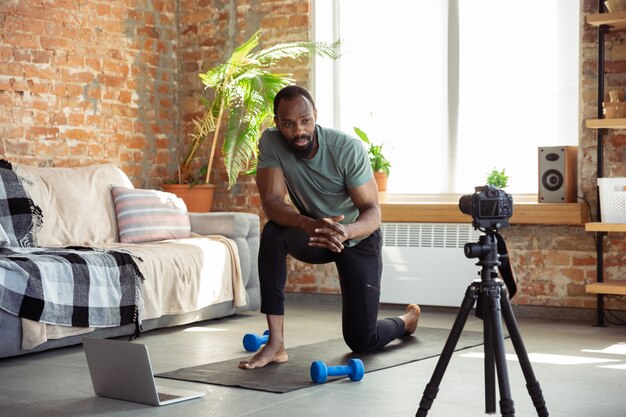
(490, 207)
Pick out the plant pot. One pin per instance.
(381, 180)
(198, 198)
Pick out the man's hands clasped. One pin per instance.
(327, 233)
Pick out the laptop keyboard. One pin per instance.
(166, 397)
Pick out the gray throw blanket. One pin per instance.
(79, 287)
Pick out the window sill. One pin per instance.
(444, 208)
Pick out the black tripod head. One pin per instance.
(486, 249)
(491, 253)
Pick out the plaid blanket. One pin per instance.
(20, 218)
(80, 287)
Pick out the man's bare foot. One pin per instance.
(267, 355)
(410, 318)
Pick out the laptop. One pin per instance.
(122, 370)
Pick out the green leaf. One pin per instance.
(361, 134)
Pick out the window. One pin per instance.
(453, 88)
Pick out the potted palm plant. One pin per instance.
(380, 164)
(243, 90)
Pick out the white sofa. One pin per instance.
(211, 274)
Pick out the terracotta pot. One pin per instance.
(381, 180)
(198, 198)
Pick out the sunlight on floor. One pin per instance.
(620, 367)
(547, 358)
(203, 329)
(616, 349)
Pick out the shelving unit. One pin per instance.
(606, 123)
(605, 22)
(606, 227)
(612, 21)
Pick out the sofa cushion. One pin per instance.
(76, 202)
(149, 215)
(186, 275)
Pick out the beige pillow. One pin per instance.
(149, 215)
(76, 203)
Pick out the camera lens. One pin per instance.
(465, 204)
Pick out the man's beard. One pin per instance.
(302, 152)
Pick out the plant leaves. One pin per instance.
(246, 86)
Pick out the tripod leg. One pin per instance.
(506, 402)
(489, 363)
(432, 388)
(516, 338)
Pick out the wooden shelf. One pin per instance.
(606, 123)
(444, 208)
(605, 22)
(616, 20)
(611, 287)
(605, 227)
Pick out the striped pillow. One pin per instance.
(149, 215)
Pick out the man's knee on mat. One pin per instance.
(359, 344)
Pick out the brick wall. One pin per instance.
(84, 82)
(91, 81)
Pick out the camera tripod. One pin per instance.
(492, 299)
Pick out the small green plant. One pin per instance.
(379, 162)
(497, 178)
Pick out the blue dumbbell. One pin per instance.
(353, 370)
(252, 342)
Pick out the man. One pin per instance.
(336, 219)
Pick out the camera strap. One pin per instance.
(505, 269)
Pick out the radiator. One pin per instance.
(424, 263)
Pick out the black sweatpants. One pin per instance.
(359, 268)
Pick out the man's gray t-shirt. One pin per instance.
(319, 186)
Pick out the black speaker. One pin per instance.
(558, 179)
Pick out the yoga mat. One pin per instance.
(295, 374)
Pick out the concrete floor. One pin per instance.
(581, 368)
